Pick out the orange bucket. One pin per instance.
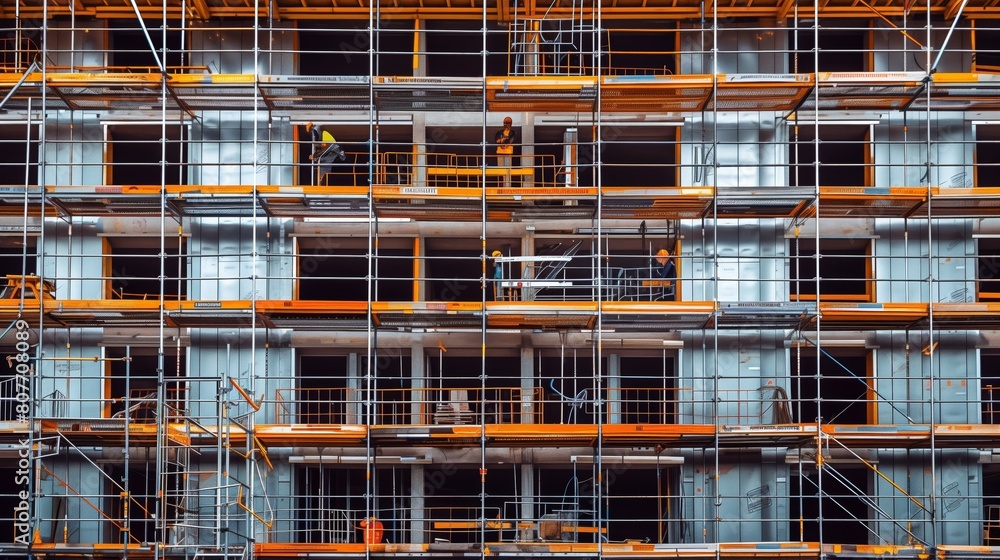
(373, 530)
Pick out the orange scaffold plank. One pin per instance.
(92, 550)
(965, 78)
(63, 79)
(658, 307)
(310, 434)
(99, 431)
(499, 313)
(882, 435)
(873, 314)
(311, 306)
(845, 201)
(417, 307)
(666, 434)
(875, 550)
(544, 434)
(216, 190)
(294, 550)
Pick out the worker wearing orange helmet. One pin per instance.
(667, 272)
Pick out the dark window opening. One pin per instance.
(392, 372)
(986, 57)
(10, 388)
(453, 269)
(9, 500)
(566, 49)
(455, 392)
(648, 390)
(639, 157)
(15, 258)
(840, 50)
(344, 52)
(991, 489)
(328, 271)
(843, 153)
(133, 384)
(20, 44)
(844, 513)
(452, 502)
(130, 48)
(330, 503)
(18, 155)
(991, 473)
(641, 51)
(324, 394)
(454, 47)
(580, 269)
(991, 507)
(987, 168)
(138, 505)
(568, 386)
(566, 500)
(988, 269)
(844, 269)
(559, 162)
(634, 502)
(395, 161)
(842, 395)
(135, 152)
(989, 367)
(136, 269)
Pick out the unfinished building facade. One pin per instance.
(273, 291)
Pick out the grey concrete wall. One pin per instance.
(902, 148)
(956, 484)
(750, 264)
(902, 267)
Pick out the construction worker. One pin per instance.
(497, 275)
(667, 273)
(325, 151)
(506, 138)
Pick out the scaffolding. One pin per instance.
(219, 346)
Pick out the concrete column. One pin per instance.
(418, 384)
(355, 408)
(418, 176)
(417, 524)
(570, 159)
(532, 50)
(528, 404)
(528, 146)
(527, 499)
(614, 385)
(527, 268)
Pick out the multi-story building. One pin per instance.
(222, 345)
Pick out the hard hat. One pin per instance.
(663, 252)
(497, 254)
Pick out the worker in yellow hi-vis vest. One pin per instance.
(325, 151)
